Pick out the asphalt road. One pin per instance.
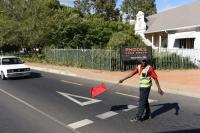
(50, 103)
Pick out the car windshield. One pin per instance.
(11, 61)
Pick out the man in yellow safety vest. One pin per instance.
(146, 72)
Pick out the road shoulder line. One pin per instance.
(39, 111)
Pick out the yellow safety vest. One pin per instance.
(144, 81)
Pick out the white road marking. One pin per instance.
(39, 111)
(151, 100)
(123, 94)
(70, 97)
(106, 115)
(71, 82)
(130, 107)
(81, 123)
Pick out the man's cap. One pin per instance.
(143, 60)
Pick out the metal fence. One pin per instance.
(86, 58)
(110, 59)
(192, 54)
(175, 59)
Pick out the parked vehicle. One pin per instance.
(12, 66)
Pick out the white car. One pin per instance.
(12, 66)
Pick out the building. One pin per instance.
(177, 28)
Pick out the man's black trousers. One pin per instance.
(143, 102)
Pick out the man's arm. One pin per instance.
(158, 86)
(130, 75)
(127, 77)
(155, 77)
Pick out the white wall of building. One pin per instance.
(197, 40)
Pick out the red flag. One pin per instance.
(95, 91)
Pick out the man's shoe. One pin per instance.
(146, 117)
(136, 119)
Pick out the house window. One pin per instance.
(190, 44)
(185, 43)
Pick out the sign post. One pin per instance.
(128, 54)
(136, 53)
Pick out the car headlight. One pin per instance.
(28, 69)
(10, 71)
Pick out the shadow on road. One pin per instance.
(185, 131)
(118, 107)
(35, 75)
(32, 76)
(165, 108)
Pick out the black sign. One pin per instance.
(136, 53)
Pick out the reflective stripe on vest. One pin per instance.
(144, 81)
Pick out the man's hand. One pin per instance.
(127, 77)
(121, 81)
(160, 92)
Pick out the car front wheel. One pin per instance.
(2, 76)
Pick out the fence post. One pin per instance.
(54, 55)
(182, 59)
(77, 55)
(110, 59)
(45, 53)
(92, 58)
(120, 58)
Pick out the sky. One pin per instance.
(160, 4)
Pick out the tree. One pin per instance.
(10, 22)
(83, 5)
(104, 8)
(134, 6)
(45, 23)
(124, 35)
(26, 22)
